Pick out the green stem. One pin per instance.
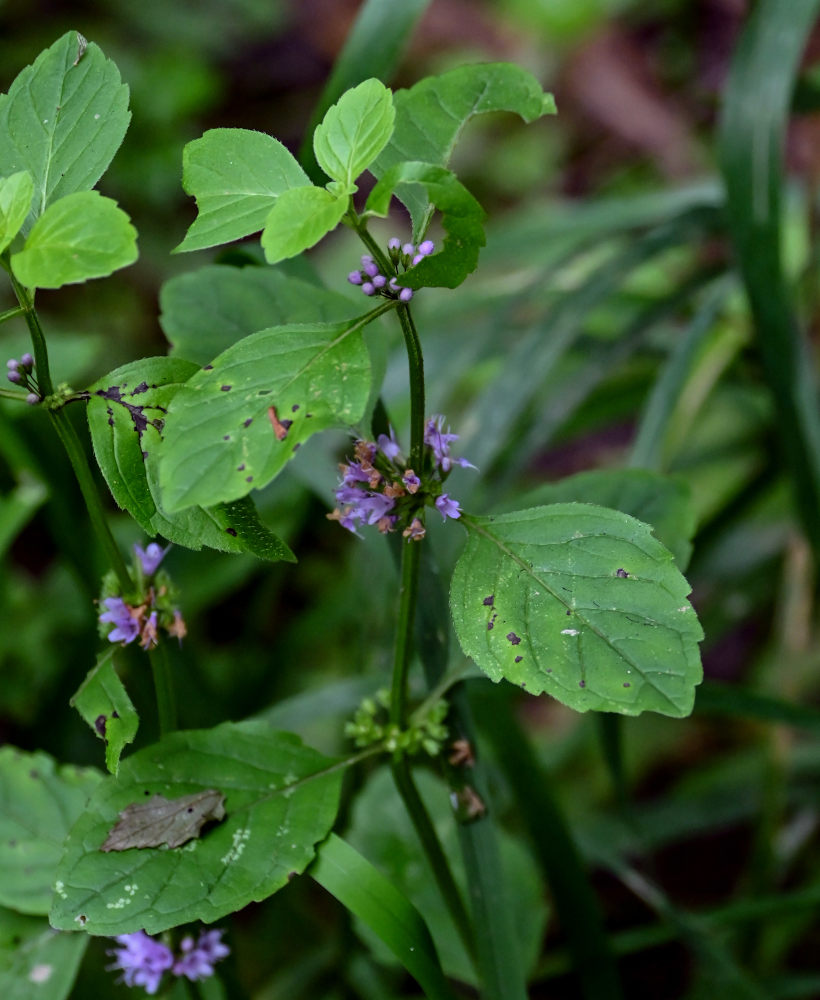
(433, 851)
(375, 250)
(415, 361)
(11, 313)
(408, 594)
(88, 488)
(12, 394)
(38, 340)
(164, 689)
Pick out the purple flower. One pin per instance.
(368, 288)
(14, 376)
(142, 960)
(151, 557)
(447, 507)
(32, 399)
(148, 634)
(355, 277)
(408, 249)
(439, 440)
(119, 614)
(197, 960)
(405, 294)
(389, 446)
(379, 281)
(426, 248)
(394, 243)
(27, 361)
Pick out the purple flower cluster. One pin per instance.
(143, 960)
(22, 373)
(143, 619)
(373, 282)
(377, 488)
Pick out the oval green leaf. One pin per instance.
(461, 216)
(431, 116)
(236, 424)
(104, 704)
(16, 193)
(236, 175)
(126, 414)
(582, 603)
(354, 131)
(299, 219)
(81, 236)
(281, 798)
(62, 120)
(38, 804)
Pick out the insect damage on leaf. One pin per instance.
(164, 821)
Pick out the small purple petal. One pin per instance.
(411, 481)
(447, 507)
(389, 446)
(142, 960)
(119, 614)
(151, 557)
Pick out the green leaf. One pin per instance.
(663, 502)
(299, 219)
(431, 115)
(461, 216)
(103, 702)
(373, 48)
(36, 963)
(81, 236)
(381, 830)
(126, 413)
(206, 311)
(236, 424)
(281, 798)
(581, 602)
(62, 120)
(371, 897)
(354, 131)
(38, 804)
(16, 193)
(236, 175)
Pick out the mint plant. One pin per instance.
(572, 600)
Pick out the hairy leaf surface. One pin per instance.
(81, 236)
(299, 219)
(126, 416)
(236, 424)
(281, 798)
(354, 131)
(236, 175)
(39, 802)
(62, 120)
(580, 602)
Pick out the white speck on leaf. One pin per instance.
(570, 631)
(40, 973)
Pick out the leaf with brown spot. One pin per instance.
(165, 821)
